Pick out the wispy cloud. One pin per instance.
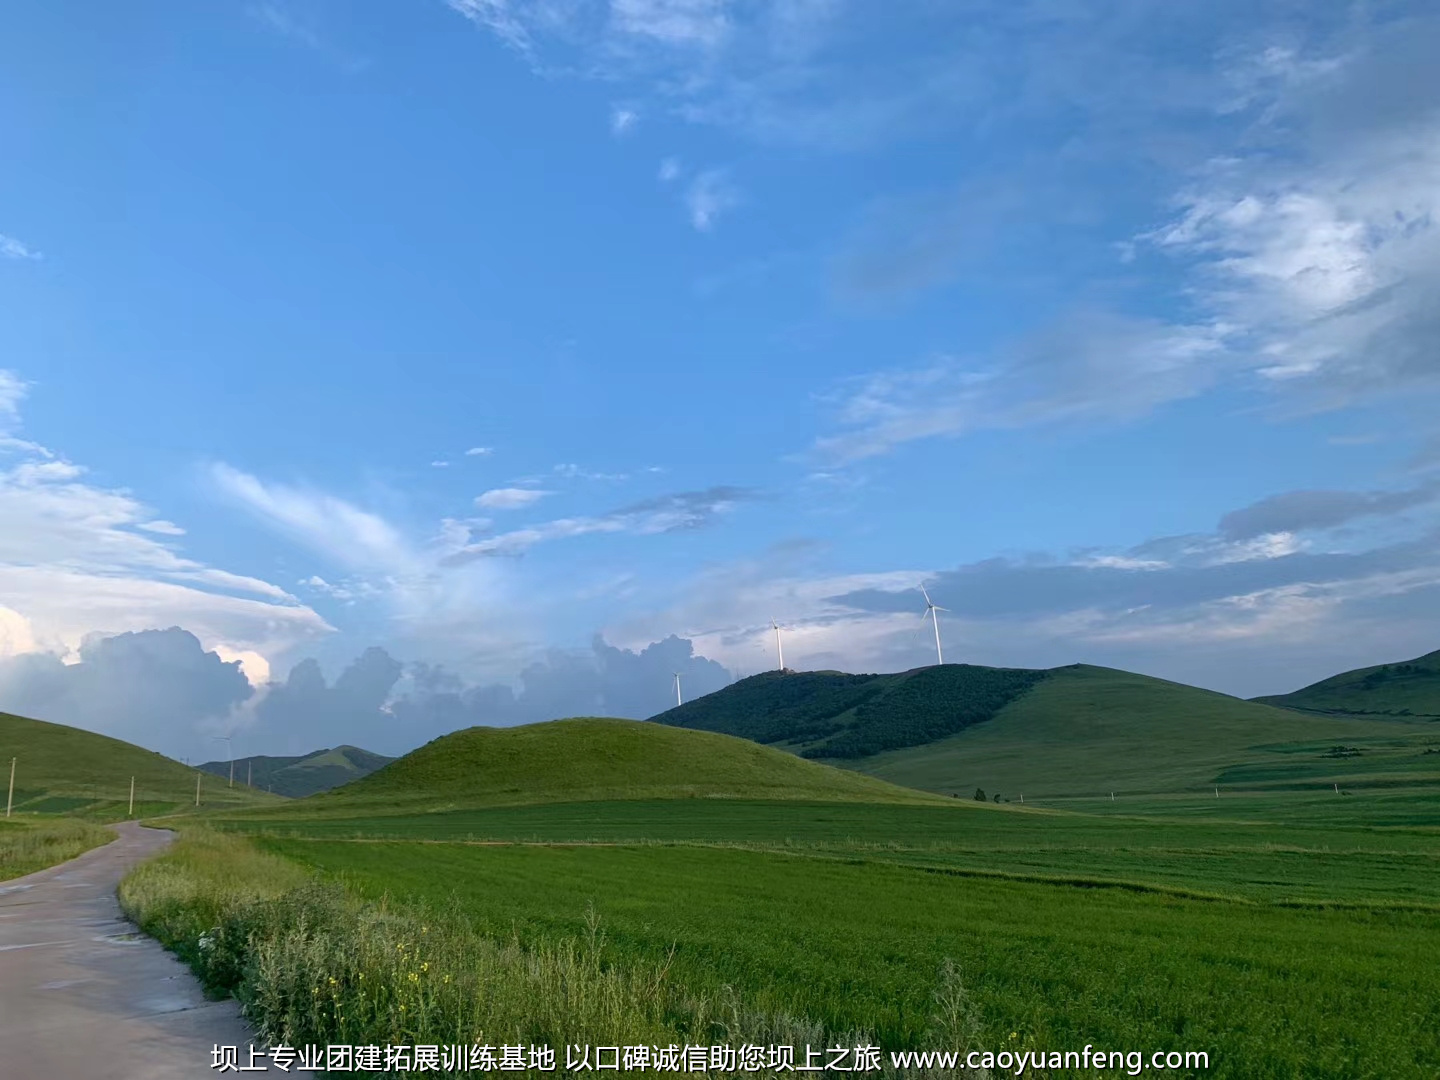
(623, 121)
(1090, 365)
(77, 558)
(280, 19)
(666, 513)
(322, 522)
(480, 451)
(10, 248)
(510, 498)
(709, 195)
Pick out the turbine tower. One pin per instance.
(932, 612)
(779, 648)
(678, 700)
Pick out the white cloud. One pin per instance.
(510, 498)
(623, 121)
(480, 451)
(161, 526)
(666, 513)
(703, 23)
(708, 196)
(669, 170)
(10, 248)
(439, 464)
(77, 559)
(1087, 366)
(322, 522)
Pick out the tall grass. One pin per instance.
(30, 844)
(314, 964)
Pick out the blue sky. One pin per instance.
(474, 330)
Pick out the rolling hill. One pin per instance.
(834, 715)
(1410, 688)
(587, 759)
(1077, 731)
(296, 777)
(62, 769)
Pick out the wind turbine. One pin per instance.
(678, 700)
(932, 612)
(779, 648)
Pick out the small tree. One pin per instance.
(980, 795)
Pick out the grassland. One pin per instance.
(64, 770)
(590, 759)
(1085, 732)
(30, 843)
(1284, 940)
(1408, 688)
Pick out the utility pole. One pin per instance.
(249, 773)
(10, 798)
(132, 797)
(197, 789)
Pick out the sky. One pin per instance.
(371, 369)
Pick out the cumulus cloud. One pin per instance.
(389, 707)
(158, 688)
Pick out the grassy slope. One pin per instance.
(1089, 730)
(296, 777)
(66, 770)
(588, 759)
(1411, 687)
(832, 714)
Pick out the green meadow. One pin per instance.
(1287, 932)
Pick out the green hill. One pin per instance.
(833, 715)
(1075, 731)
(65, 770)
(587, 759)
(1410, 688)
(296, 777)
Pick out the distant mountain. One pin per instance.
(1410, 688)
(297, 777)
(1068, 731)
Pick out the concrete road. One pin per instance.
(83, 996)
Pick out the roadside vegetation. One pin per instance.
(28, 844)
(314, 962)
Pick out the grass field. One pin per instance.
(28, 843)
(1285, 931)
(1256, 861)
(1269, 991)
